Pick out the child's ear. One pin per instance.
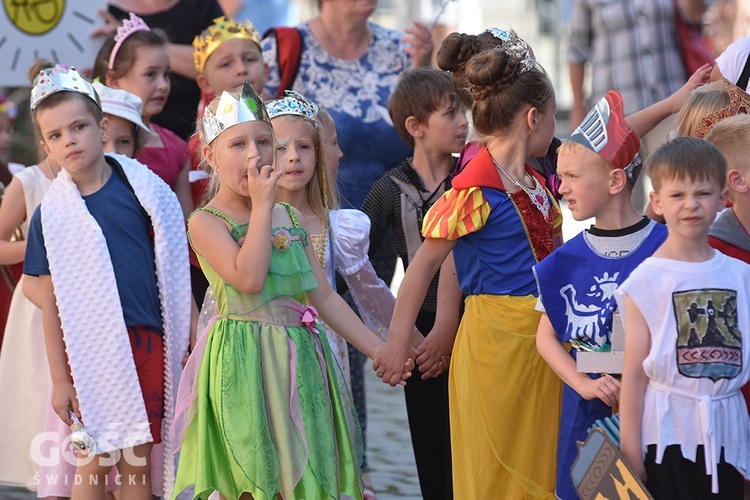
(202, 82)
(618, 180)
(736, 181)
(104, 125)
(111, 80)
(44, 147)
(656, 203)
(208, 154)
(413, 126)
(723, 198)
(532, 117)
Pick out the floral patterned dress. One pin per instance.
(266, 412)
(355, 93)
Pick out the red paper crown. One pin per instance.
(605, 132)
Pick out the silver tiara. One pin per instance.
(293, 103)
(231, 111)
(514, 44)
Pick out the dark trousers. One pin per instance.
(677, 478)
(427, 409)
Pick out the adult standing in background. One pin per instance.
(181, 20)
(632, 47)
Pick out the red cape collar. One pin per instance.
(481, 172)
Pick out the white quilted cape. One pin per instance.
(96, 339)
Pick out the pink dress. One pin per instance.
(167, 161)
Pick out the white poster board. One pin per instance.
(58, 30)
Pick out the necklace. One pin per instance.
(537, 195)
(49, 168)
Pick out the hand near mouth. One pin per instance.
(261, 182)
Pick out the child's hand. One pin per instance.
(606, 388)
(700, 77)
(261, 182)
(433, 354)
(393, 363)
(64, 396)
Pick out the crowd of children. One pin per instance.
(252, 397)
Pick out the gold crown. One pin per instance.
(221, 31)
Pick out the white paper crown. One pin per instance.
(293, 103)
(60, 78)
(514, 44)
(232, 111)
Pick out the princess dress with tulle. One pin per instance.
(261, 408)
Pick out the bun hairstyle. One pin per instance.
(501, 86)
(456, 51)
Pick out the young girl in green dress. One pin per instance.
(260, 412)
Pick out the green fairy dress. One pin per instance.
(268, 414)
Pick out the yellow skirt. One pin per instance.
(504, 403)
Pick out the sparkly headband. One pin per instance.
(739, 103)
(513, 44)
(232, 111)
(129, 26)
(220, 31)
(293, 103)
(60, 78)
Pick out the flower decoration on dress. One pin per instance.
(129, 26)
(511, 43)
(293, 103)
(308, 318)
(605, 132)
(739, 103)
(282, 239)
(60, 78)
(232, 111)
(222, 30)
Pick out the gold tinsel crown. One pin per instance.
(220, 31)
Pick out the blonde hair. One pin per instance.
(572, 147)
(731, 136)
(326, 120)
(318, 189)
(213, 179)
(702, 102)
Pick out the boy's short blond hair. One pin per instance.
(732, 137)
(419, 93)
(572, 147)
(687, 158)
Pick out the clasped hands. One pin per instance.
(393, 361)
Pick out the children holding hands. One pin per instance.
(261, 409)
(426, 112)
(684, 423)
(499, 221)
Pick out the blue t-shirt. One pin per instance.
(128, 234)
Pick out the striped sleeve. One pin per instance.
(457, 213)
